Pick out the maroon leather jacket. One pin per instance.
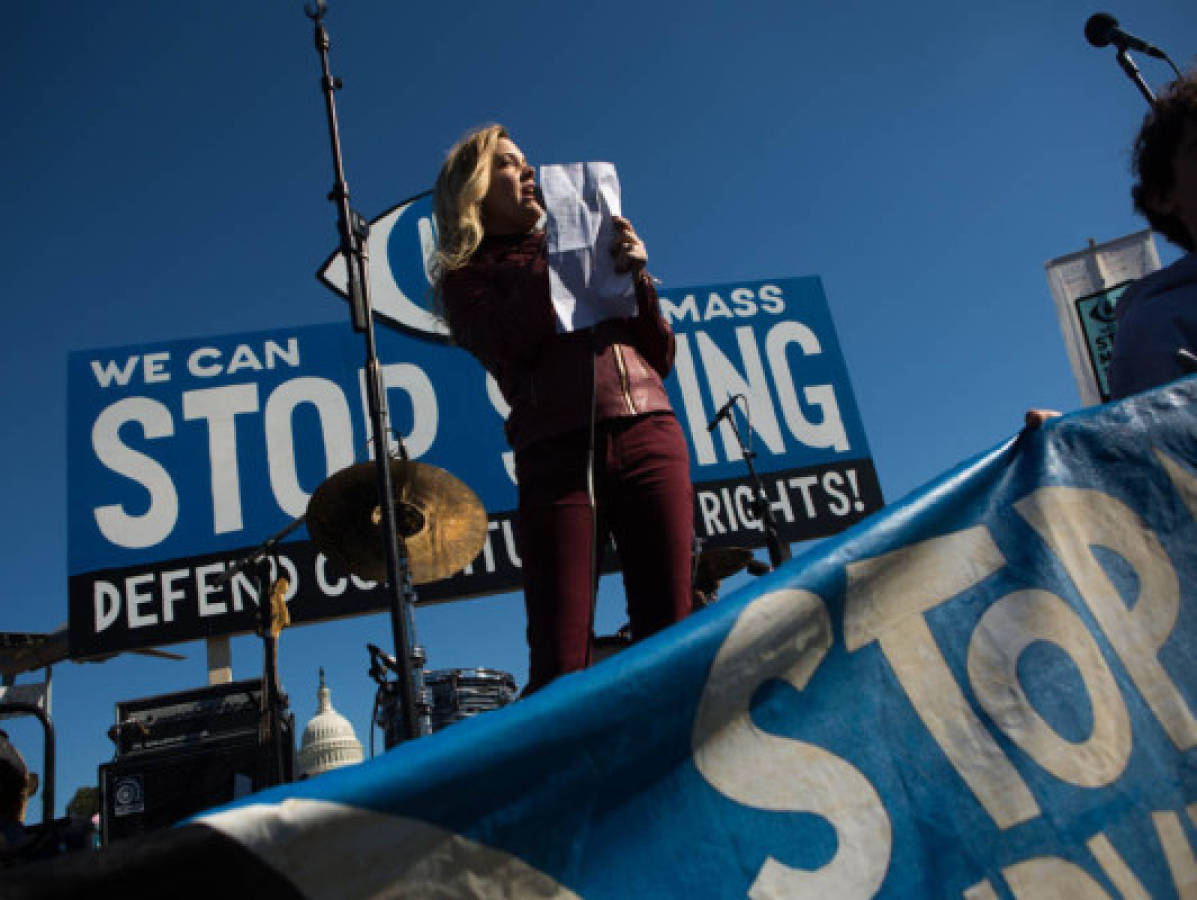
(498, 307)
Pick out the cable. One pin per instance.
(592, 584)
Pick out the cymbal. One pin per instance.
(442, 522)
(716, 563)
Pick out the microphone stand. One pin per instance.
(354, 232)
(1132, 72)
(778, 552)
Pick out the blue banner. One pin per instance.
(987, 690)
(184, 455)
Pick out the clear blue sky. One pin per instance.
(167, 163)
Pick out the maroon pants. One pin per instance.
(644, 500)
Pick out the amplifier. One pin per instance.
(150, 790)
(187, 717)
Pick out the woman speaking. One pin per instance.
(598, 450)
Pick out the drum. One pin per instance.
(450, 695)
(460, 693)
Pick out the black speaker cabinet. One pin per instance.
(146, 791)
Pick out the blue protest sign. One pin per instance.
(183, 455)
(987, 690)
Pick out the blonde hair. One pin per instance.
(462, 183)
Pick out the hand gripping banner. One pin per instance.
(986, 690)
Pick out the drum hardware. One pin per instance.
(387, 713)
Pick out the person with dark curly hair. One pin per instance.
(1157, 316)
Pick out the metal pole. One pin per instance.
(354, 248)
(779, 552)
(1132, 72)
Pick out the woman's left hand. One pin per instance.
(627, 249)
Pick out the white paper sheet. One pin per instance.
(580, 199)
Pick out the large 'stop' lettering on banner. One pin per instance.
(185, 453)
(988, 690)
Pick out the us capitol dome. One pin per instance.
(329, 741)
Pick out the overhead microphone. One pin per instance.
(1102, 30)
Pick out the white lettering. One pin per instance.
(772, 300)
(275, 353)
(1005, 630)
(1071, 521)
(155, 367)
(741, 299)
(242, 589)
(804, 483)
(839, 505)
(425, 414)
(687, 309)
(336, 430)
(509, 543)
(106, 604)
(716, 308)
(785, 634)
(170, 593)
(118, 526)
(829, 430)
(708, 505)
(782, 507)
(726, 381)
(1051, 876)
(887, 598)
(744, 500)
(1116, 869)
(218, 407)
(243, 358)
(205, 590)
(108, 371)
(196, 366)
(329, 588)
(1178, 853)
(135, 599)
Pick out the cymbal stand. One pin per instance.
(354, 233)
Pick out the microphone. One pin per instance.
(723, 411)
(1102, 30)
